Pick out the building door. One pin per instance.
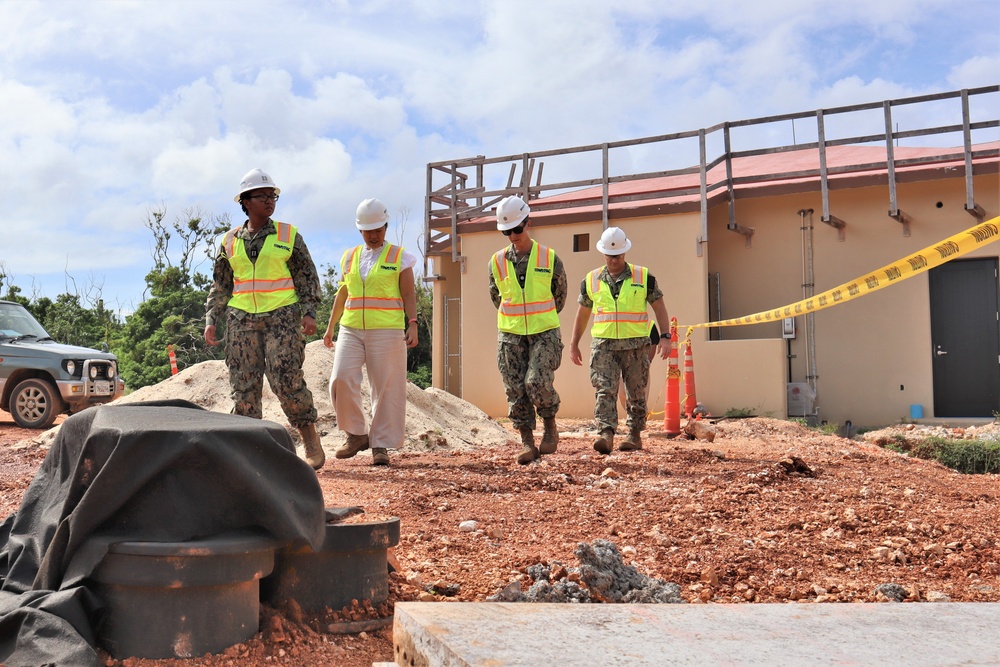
(965, 338)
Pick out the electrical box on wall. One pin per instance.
(788, 327)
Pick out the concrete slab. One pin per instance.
(480, 634)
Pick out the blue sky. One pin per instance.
(114, 108)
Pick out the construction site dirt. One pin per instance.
(768, 512)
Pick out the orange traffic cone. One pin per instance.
(173, 359)
(672, 406)
(690, 402)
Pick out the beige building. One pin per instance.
(850, 191)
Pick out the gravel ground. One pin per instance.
(767, 512)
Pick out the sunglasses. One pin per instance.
(516, 230)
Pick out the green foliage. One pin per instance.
(738, 413)
(11, 292)
(418, 359)
(68, 321)
(329, 281)
(174, 314)
(964, 456)
(420, 377)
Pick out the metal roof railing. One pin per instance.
(458, 191)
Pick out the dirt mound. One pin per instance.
(435, 420)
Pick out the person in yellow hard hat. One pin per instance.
(267, 286)
(377, 305)
(617, 294)
(528, 288)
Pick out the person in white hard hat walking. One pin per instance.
(617, 294)
(528, 288)
(266, 284)
(377, 302)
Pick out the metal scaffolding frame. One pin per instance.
(457, 192)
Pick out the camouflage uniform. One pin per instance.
(271, 343)
(616, 359)
(528, 363)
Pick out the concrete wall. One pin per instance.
(741, 375)
(873, 354)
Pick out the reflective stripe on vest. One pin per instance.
(374, 302)
(264, 285)
(530, 310)
(624, 317)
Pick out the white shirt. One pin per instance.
(369, 256)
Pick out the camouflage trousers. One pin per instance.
(528, 367)
(271, 344)
(607, 369)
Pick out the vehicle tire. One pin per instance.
(35, 403)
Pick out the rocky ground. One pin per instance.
(768, 512)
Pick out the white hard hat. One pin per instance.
(613, 242)
(372, 214)
(510, 212)
(255, 179)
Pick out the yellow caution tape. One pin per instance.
(919, 262)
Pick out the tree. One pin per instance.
(68, 321)
(328, 284)
(418, 359)
(12, 292)
(175, 310)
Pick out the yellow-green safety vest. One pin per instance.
(624, 317)
(264, 285)
(375, 302)
(530, 310)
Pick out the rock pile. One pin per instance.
(602, 577)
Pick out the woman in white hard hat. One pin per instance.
(618, 294)
(266, 284)
(377, 305)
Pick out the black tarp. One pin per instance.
(164, 471)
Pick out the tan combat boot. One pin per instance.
(550, 438)
(604, 442)
(632, 442)
(354, 444)
(315, 456)
(529, 452)
(380, 456)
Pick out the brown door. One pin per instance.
(965, 338)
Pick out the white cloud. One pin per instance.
(983, 70)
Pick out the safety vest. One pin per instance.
(375, 302)
(624, 317)
(530, 310)
(264, 285)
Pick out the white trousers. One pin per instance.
(383, 351)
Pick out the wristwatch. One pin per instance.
(665, 336)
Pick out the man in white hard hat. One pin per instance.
(266, 284)
(617, 294)
(528, 287)
(377, 305)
